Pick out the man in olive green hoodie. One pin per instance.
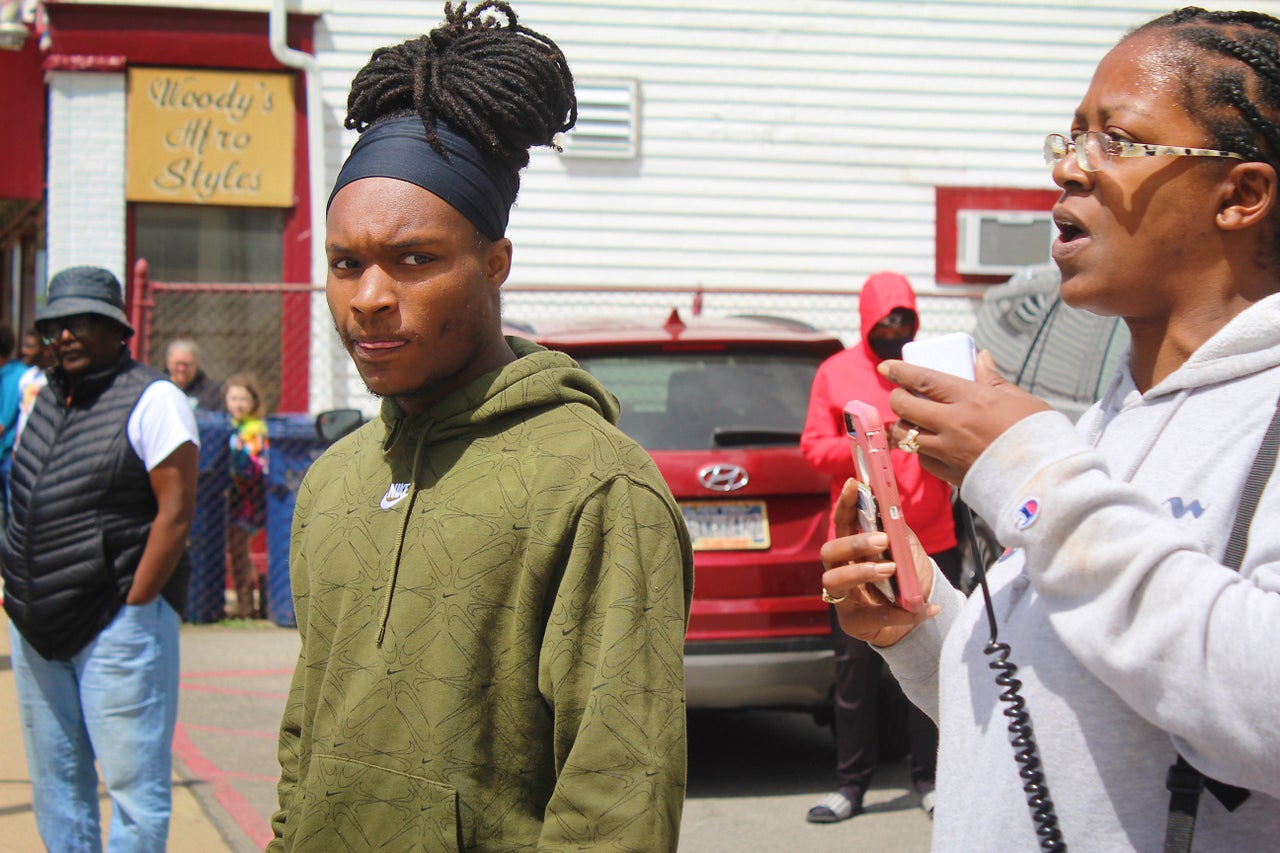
(492, 582)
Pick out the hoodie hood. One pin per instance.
(881, 294)
(1250, 342)
(537, 378)
(1247, 346)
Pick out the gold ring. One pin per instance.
(911, 443)
(826, 596)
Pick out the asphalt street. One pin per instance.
(752, 775)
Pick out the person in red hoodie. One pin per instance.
(887, 306)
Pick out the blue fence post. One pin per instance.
(207, 544)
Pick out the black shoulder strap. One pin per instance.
(1183, 781)
(1263, 464)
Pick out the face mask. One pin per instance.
(886, 348)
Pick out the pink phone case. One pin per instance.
(875, 472)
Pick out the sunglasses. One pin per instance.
(78, 325)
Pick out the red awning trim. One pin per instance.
(83, 62)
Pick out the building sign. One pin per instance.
(210, 137)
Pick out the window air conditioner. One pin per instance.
(1001, 242)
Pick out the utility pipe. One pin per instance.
(278, 26)
(321, 390)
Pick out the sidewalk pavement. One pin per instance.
(216, 805)
(234, 682)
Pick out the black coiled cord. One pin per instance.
(1021, 735)
(1024, 747)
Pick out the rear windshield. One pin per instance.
(695, 401)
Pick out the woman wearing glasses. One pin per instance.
(1134, 636)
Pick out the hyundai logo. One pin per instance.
(723, 478)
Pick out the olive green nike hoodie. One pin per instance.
(492, 598)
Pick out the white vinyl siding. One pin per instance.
(783, 145)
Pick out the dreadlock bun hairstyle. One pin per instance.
(1237, 98)
(502, 86)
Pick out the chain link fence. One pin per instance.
(835, 311)
(267, 331)
(259, 329)
(263, 331)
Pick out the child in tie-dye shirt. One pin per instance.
(246, 505)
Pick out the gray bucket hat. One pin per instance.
(85, 290)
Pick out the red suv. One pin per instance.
(719, 403)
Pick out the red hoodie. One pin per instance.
(851, 375)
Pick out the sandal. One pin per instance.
(927, 797)
(833, 809)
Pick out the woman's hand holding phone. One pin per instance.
(854, 563)
(956, 419)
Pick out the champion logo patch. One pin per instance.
(1179, 508)
(396, 493)
(1027, 514)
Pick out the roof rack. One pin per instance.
(790, 322)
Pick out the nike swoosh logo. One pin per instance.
(396, 492)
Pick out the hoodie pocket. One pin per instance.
(351, 805)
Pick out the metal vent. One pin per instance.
(608, 120)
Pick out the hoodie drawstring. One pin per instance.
(404, 527)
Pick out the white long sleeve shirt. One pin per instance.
(1131, 639)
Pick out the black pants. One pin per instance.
(858, 696)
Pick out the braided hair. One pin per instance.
(1238, 101)
(503, 86)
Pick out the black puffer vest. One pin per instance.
(81, 508)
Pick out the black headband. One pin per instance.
(477, 186)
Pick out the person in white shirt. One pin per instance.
(38, 356)
(95, 572)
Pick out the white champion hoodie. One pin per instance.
(1130, 637)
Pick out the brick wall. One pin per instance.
(86, 206)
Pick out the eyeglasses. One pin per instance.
(1094, 150)
(78, 325)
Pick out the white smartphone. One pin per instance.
(952, 353)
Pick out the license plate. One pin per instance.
(727, 525)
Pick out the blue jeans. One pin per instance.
(116, 701)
